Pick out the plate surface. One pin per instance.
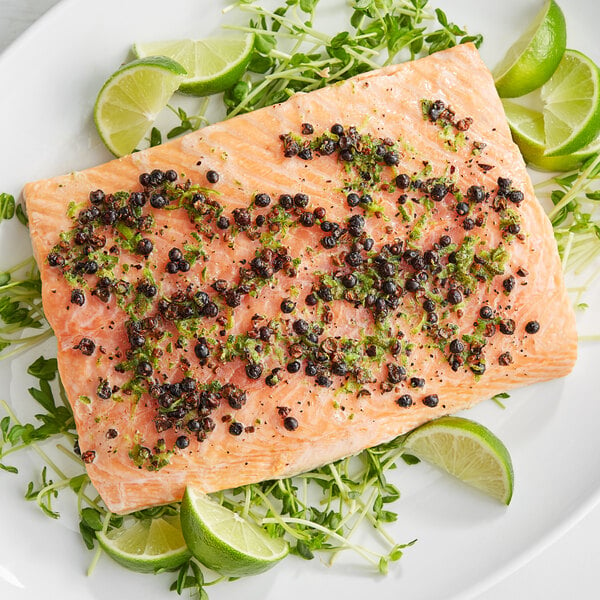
(50, 79)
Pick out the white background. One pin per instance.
(569, 568)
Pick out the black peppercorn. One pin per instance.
(389, 288)
(507, 326)
(396, 373)
(402, 181)
(305, 154)
(294, 366)
(182, 442)
(412, 285)
(324, 381)
(532, 327)
(391, 159)
(349, 281)
(337, 129)
(311, 300)
(476, 194)
(145, 247)
(262, 200)
(300, 327)
(354, 259)
(432, 400)
(287, 306)
(144, 369)
(328, 242)
(97, 197)
(301, 200)
(310, 370)
(77, 297)
(438, 192)
(485, 312)
(509, 283)
(86, 346)
(212, 176)
(405, 401)
(516, 196)
(353, 199)
(286, 201)
(346, 155)
(290, 423)
(210, 310)
(429, 306)
(236, 428)
(307, 219)
(223, 222)
(462, 208)
(455, 296)
(504, 183)
(253, 371)
(158, 201)
(172, 267)
(417, 382)
(436, 109)
(242, 217)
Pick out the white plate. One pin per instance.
(49, 81)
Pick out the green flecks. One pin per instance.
(417, 231)
(154, 459)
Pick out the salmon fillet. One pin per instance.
(289, 287)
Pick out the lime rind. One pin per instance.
(468, 451)
(147, 546)
(130, 100)
(225, 542)
(534, 57)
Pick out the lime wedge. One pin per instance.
(147, 546)
(532, 59)
(527, 127)
(571, 100)
(225, 542)
(467, 450)
(131, 99)
(213, 64)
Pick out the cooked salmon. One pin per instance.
(291, 286)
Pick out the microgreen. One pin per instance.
(290, 55)
(575, 203)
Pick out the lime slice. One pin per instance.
(147, 546)
(527, 127)
(225, 542)
(468, 451)
(571, 101)
(131, 99)
(532, 59)
(213, 64)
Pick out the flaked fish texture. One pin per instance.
(291, 286)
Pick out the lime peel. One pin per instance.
(468, 451)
